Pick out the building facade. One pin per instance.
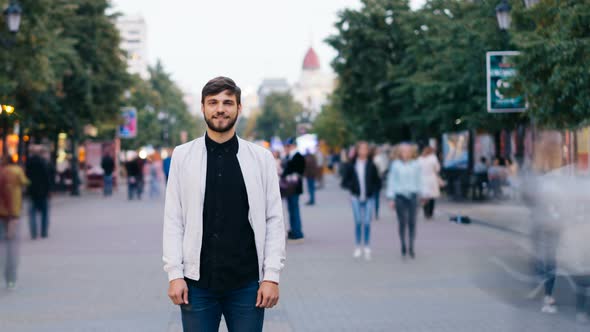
(133, 31)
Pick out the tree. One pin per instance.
(278, 116)
(331, 126)
(554, 40)
(162, 112)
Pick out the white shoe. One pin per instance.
(357, 252)
(11, 286)
(367, 254)
(549, 300)
(549, 309)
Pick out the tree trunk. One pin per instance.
(75, 163)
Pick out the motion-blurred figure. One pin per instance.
(108, 166)
(430, 180)
(362, 179)
(12, 182)
(539, 195)
(310, 174)
(381, 161)
(403, 187)
(39, 173)
(134, 178)
(293, 172)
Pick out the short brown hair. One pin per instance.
(219, 85)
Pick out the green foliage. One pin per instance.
(331, 126)
(416, 74)
(278, 116)
(162, 112)
(554, 38)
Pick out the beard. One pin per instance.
(221, 128)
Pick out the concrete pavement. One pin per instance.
(101, 270)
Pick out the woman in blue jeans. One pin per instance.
(362, 179)
(403, 186)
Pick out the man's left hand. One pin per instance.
(268, 295)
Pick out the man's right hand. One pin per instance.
(178, 291)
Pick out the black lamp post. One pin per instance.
(12, 16)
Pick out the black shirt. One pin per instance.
(228, 254)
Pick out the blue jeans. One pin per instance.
(238, 307)
(311, 188)
(362, 212)
(40, 205)
(9, 248)
(294, 216)
(108, 185)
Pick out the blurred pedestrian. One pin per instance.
(381, 161)
(293, 173)
(224, 236)
(134, 178)
(497, 176)
(108, 166)
(39, 173)
(166, 166)
(403, 187)
(430, 180)
(12, 182)
(321, 163)
(310, 174)
(278, 161)
(480, 170)
(361, 178)
(539, 195)
(153, 170)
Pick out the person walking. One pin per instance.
(430, 182)
(310, 173)
(12, 182)
(224, 237)
(166, 166)
(39, 173)
(361, 178)
(108, 166)
(134, 178)
(153, 171)
(293, 174)
(381, 161)
(403, 187)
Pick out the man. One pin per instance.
(39, 173)
(310, 173)
(224, 238)
(294, 169)
(108, 166)
(134, 178)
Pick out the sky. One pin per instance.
(245, 40)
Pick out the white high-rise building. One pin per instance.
(133, 31)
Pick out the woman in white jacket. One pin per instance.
(430, 187)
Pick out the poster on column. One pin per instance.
(128, 129)
(501, 70)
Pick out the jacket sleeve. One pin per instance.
(274, 247)
(173, 233)
(390, 193)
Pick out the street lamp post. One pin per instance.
(503, 15)
(5, 111)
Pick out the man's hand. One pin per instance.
(178, 291)
(392, 204)
(268, 295)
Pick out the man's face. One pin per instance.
(221, 111)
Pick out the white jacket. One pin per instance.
(183, 215)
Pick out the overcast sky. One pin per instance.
(245, 40)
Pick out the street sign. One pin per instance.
(500, 70)
(129, 127)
